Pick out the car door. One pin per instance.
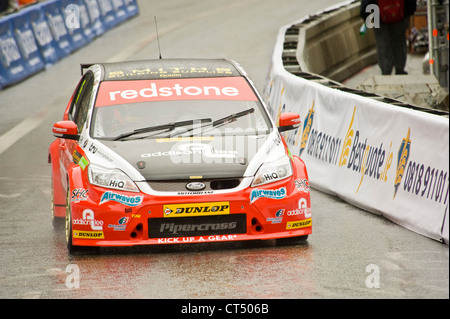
(77, 112)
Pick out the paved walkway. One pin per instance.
(415, 88)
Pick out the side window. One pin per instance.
(80, 104)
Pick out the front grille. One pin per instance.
(197, 226)
(180, 185)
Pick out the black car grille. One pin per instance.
(180, 186)
(197, 226)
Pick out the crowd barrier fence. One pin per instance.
(41, 34)
(387, 159)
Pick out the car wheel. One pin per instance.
(292, 240)
(57, 222)
(68, 224)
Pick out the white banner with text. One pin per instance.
(386, 159)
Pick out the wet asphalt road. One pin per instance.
(351, 253)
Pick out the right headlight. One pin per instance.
(273, 171)
(110, 178)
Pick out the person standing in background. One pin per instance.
(390, 32)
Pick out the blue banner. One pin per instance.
(44, 39)
(12, 64)
(95, 17)
(56, 23)
(41, 34)
(33, 60)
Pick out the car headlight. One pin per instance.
(111, 178)
(273, 171)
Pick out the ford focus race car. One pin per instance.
(174, 151)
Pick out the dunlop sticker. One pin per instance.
(196, 209)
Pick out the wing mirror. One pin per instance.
(289, 121)
(66, 129)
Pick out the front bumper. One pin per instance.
(114, 218)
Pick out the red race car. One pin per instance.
(174, 151)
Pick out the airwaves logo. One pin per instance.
(123, 199)
(402, 159)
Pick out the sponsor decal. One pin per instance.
(175, 240)
(205, 150)
(88, 234)
(196, 209)
(123, 199)
(174, 229)
(278, 217)
(122, 224)
(302, 185)
(79, 194)
(229, 224)
(172, 72)
(79, 159)
(299, 224)
(124, 92)
(302, 209)
(88, 219)
(268, 193)
(195, 193)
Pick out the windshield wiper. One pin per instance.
(168, 126)
(232, 117)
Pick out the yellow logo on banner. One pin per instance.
(299, 224)
(307, 128)
(196, 209)
(402, 160)
(347, 142)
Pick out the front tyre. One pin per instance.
(298, 240)
(57, 222)
(68, 224)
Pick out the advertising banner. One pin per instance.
(12, 64)
(56, 22)
(44, 39)
(25, 39)
(388, 160)
(43, 33)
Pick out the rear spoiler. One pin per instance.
(85, 66)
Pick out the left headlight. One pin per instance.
(110, 178)
(273, 171)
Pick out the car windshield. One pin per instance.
(164, 108)
(198, 117)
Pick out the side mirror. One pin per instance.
(66, 129)
(289, 121)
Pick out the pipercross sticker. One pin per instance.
(123, 92)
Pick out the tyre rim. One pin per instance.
(67, 223)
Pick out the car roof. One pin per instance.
(167, 69)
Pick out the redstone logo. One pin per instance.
(223, 88)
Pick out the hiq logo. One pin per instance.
(72, 12)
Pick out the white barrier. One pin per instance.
(386, 159)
